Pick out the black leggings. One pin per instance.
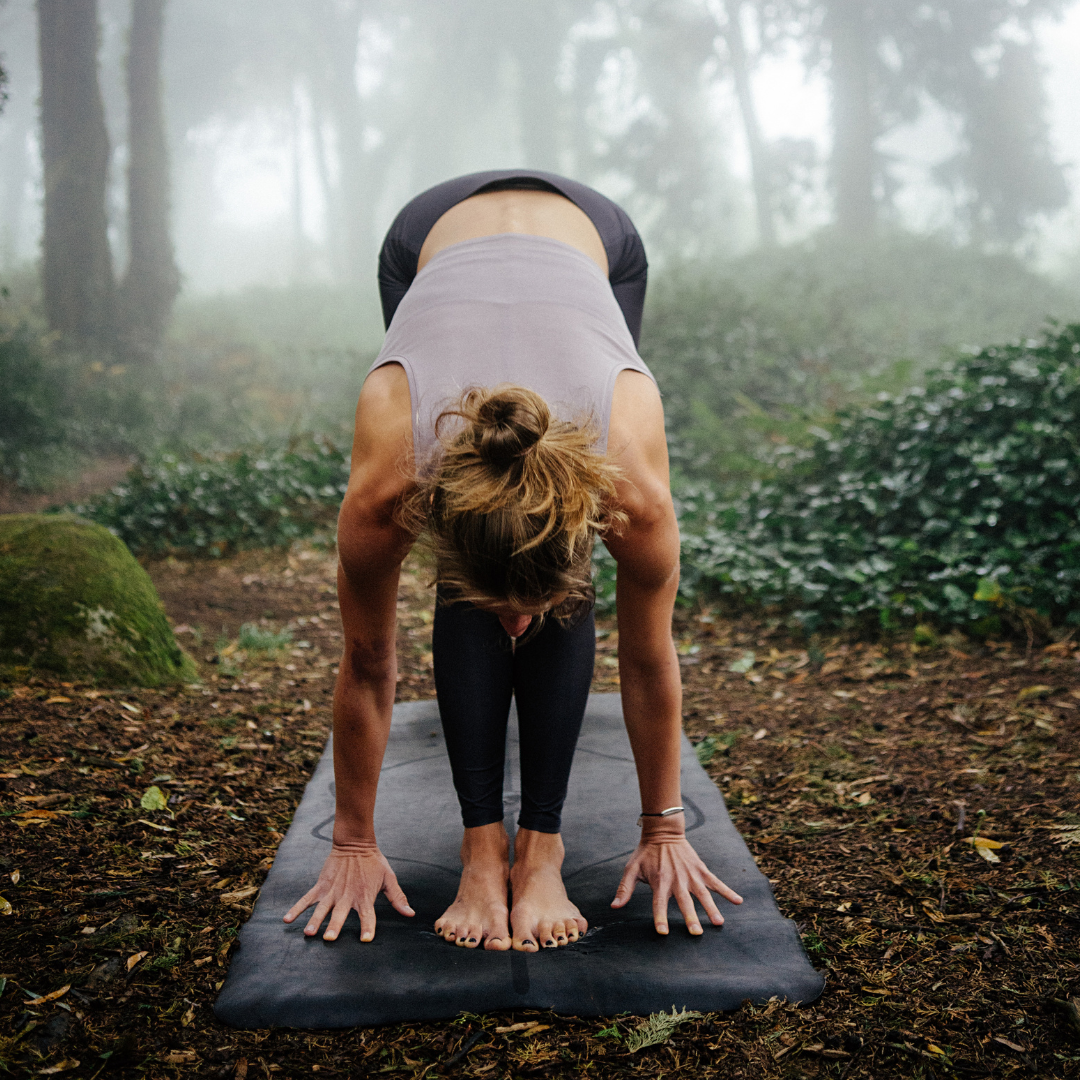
(476, 671)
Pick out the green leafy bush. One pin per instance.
(752, 353)
(212, 504)
(910, 509)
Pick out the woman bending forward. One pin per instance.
(509, 414)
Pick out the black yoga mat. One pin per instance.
(280, 978)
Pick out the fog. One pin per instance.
(278, 178)
(836, 196)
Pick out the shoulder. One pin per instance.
(382, 467)
(637, 443)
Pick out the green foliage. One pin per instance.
(935, 506)
(212, 504)
(73, 600)
(257, 639)
(658, 1028)
(752, 355)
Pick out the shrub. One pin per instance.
(751, 353)
(907, 510)
(213, 504)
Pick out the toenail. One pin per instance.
(549, 942)
(473, 940)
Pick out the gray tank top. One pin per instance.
(509, 308)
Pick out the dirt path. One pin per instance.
(96, 479)
(859, 780)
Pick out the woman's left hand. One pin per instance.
(671, 867)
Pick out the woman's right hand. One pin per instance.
(352, 877)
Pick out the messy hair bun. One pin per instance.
(514, 504)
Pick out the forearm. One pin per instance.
(652, 708)
(363, 706)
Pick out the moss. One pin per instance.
(73, 600)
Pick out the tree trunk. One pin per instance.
(77, 273)
(336, 30)
(854, 124)
(538, 33)
(152, 279)
(759, 164)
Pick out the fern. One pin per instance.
(658, 1028)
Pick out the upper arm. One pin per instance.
(646, 548)
(372, 541)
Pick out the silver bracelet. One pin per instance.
(663, 813)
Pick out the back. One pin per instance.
(509, 308)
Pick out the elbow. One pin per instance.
(372, 661)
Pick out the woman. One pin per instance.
(509, 385)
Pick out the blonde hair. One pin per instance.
(513, 505)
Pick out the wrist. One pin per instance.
(666, 828)
(355, 846)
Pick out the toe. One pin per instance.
(558, 932)
(497, 944)
(545, 938)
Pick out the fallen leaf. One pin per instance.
(863, 799)
(130, 708)
(58, 700)
(743, 664)
(985, 847)
(61, 1066)
(186, 1019)
(15, 877)
(153, 799)
(239, 894)
(153, 825)
(1030, 692)
(875, 990)
(134, 958)
(530, 1026)
(241, 1069)
(188, 1057)
(935, 1049)
(760, 734)
(46, 998)
(1011, 1045)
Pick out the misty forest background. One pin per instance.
(871, 424)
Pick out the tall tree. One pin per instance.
(847, 29)
(152, 280)
(77, 273)
(884, 56)
(731, 22)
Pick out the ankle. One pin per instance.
(487, 844)
(533, 848)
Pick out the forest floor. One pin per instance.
(860, 776)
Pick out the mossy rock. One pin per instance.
(73, 600)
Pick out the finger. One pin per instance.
(626, 887)
(718, 886)
(704, 897)
(337, 920)
(659, 908)
(317, 917)
(689, 912)
(367, 920)
(300, 906)
(396, 895)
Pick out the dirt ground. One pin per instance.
(866, 779)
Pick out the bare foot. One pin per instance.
(542, 916)
(479, 914)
